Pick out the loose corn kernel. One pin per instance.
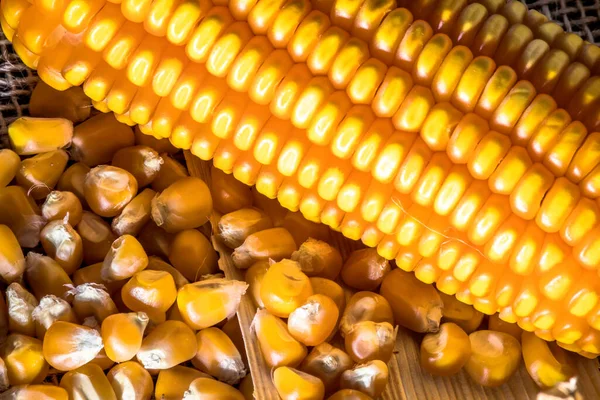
(71, 104)
(151, 292)
(4, 383)
(125, 258)
(12, 262)
(96, 140)
(546, 363)
(109, 189)
(122, 335)
(50, 310)
(284, 288)
(494, 357)
(9, 165)
(293, 384)
(130, 380)
(37, 391)
(218, 356)
(134, 215)
(185, 204)
(254, 277)
(155, 241)
(91, 300)
(20, 304)
(228, 194)
(68, 346)
(142, 162)
(314, 321)
(30, 136)
(72, 180)
(364, 269)
(96, 237)
(208, 302)
(92, 378)
(236, 226)
(463, 315)
(369, 378)
(415, 305)
(365, 306)
(368, 340)
(168, 344)
(59, 205)
(23, 360)
(327, 363)
(192, 255)
(39, 174)
(62, 243)
(317, 258)
(277, 345)
(496, 324)
(246, 387)
(275, 243)
(46, 277)
(446, 352)
(210, 388)
(170, 172)
(173, 382)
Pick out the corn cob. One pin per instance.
(313, 203)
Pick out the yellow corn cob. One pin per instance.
(280, 130)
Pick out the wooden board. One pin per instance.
(407, 380)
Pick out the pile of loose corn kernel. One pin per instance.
(327, 326)
(109, 288)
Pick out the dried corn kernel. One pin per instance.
(446, 352)
(218, 356)
(9, 165)
(135, 215)
(92, 378)
(461, 314)
(96, 140)
(193, 255)
(24, 360)
(364, 269)
(186, 204)
(59, 205)
(169, 344)
(369, 378)
(72, 180)
(46, 277)
(494, 357)
(367, 341)
(236, 226)
(284, 288)
(109, 189)
(229, 194)
(151, 292)
(91, 300)
(349, 394)
(416, 305)
(327, 363)
(173, 382)
(546, 363)
(68, 346)
(71, 104)
(63, 244)
(20, 304)
(125, 258)
(293, 384)
(50, 310)
(254, 277)
(96, 237)
(122, 335)
(39, 174)
(313, 322)
(277, 346)
(29, 135)
(275, 243)
(130, 380)
(142, 162)
(208, 302)
(365, 306)
(12, 262)
(170, 172)
(156, 264)
(211, 389)
(155, 241)
(317, 258)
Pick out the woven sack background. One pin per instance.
(17, 81)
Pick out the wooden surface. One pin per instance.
(407, 380)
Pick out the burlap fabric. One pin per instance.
(17, 81)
